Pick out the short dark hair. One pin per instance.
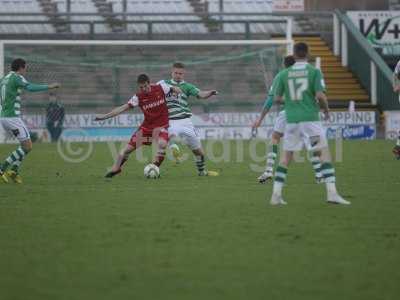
(17, 64)
(289, 61)
(178, 65)
(143, 78)
(301, 50)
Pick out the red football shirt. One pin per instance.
(153, 105)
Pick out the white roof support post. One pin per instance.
(345, 59)
(2, 59)
(289, 36)
(336, 35)
(374, 84)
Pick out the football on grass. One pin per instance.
(151, 171)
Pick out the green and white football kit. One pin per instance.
(299, 85)
(11, 87)
(180, 123)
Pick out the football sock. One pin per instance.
(121, 160)
(14, 159)
(271, 157)
(398, 140)
(329, 175)
(316, 163)
(160, 157)
(200, 163)
(280, 178)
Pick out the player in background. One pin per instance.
(396, 89)
(181, 126)
(11, 87)
(302, 88)
(151, 99)
(278, 130)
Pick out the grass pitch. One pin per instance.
(66, 233)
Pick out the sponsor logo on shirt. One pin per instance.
(153, 104)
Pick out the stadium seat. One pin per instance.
(83, 6)
(249, 6)
(160, 6)
(23, 6)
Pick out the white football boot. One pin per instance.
(277, 200)
(335, 198)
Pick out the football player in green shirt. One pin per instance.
(278, 131)
(180, 122)
(302, 87)
(11, 87)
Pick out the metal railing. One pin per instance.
(149, 24)
(120, 19)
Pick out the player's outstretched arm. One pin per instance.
(115, 112)
(55, 85)
(323, 102)
(206, 94)
(266, 108)
(258, 122)
(33, 87)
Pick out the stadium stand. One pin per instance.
(249, 6)
(106, 9)
(343, 86)
(113, 24)
(160, 6)
(23, 6)
(83, 6)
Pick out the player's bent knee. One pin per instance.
(162, 144)
(325, 155)
(27, 146)
(276, 137)
(198, 152)
(129, 148)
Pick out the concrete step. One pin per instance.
(343, 87)
(319, 48)
(339, 75)
(356, 91)
(331, 63)
(333, 69)
(330, 81)
(348, 97)
(329, 58)
(307, 38)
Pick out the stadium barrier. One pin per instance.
(213, 126)
(392, 124)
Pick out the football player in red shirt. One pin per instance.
(151, 101)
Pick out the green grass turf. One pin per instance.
(66, 233)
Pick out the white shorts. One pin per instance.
(183, 129)
(280, 122)
(16, 127)
(309, 134)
